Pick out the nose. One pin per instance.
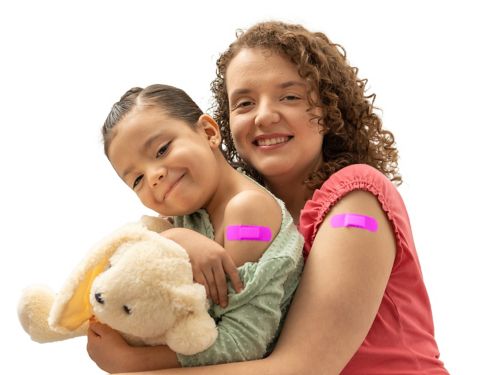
(155, 175)
(98, 298)
(267, 114)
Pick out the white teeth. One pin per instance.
(271, 141)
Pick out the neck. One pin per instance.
(294, 198)
(228, 186)
(290, 187)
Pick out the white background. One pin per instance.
(434, 68)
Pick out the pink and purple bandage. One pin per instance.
(248, 233)
(354, 221)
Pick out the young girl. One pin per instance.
(294, 113)
(167, 151)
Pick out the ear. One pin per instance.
(211, 130)
(72, 307)
(188, 298)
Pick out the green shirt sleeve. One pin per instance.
(250, 323)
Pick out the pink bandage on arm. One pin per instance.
(248, 233)
(355, 221)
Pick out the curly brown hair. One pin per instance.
(352, 131)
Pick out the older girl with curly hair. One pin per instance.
(294, 114)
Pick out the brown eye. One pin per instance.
(242, 104)
(127, 309)
(162, 150)
(136, 181)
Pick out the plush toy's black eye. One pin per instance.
(98, 298)
(127, 309)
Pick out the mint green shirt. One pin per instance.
(250, 324)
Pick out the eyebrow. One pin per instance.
(288, 84)
(146, 145)
(284, 85)
(240, 92)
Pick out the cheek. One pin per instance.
(238, 125)
(316, 143)
(147, 200)
(315, 134)
(239, 134)
(313, 127)
(208, 174)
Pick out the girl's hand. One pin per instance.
(107, 348)
(210, 262)
(210, 265)
(112, 353)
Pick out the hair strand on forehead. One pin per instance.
(174, 101)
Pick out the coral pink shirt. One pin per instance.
(401, 338)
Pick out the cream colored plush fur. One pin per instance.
(137, 282)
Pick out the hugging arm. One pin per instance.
(341, 290)
(211, 261)
(337, 300)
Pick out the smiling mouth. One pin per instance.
(172, 187)
(272, 141)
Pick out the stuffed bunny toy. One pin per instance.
(137, 282)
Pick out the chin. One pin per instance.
(184, 210)
(270, 170)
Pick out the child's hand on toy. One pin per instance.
(210, 262)
(107, 348)
(111, 353)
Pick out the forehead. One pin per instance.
(139, 121)
(141, 118)
(133, 132)
(252, 64)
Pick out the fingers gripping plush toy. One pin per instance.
(137, 282)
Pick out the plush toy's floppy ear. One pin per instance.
(189, 298)
(72, 306)
(194, 330)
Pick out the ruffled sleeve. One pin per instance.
(350, 178)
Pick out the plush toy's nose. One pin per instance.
(98, 298)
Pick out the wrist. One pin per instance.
(176, 234)
(148, 358)
(131, 360)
